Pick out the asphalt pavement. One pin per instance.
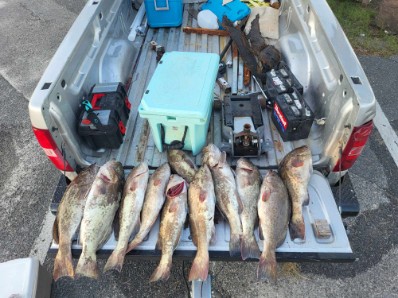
(30, 34)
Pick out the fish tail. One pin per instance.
(249, 248)
(162, 272)
(200, 267)
(266, 269)
(234, 245)
(297, 227)
(63, 265)
(115, 261)
(133, 244)
(87, 266)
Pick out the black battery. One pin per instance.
(110, 96)
(280, 81)
(292, 116)
(102, 129)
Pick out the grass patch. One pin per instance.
(358, 22)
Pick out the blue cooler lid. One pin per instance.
(182, 85)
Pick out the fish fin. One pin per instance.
(223, 159)
(260, 233)
(200, 267)
(136, 229)
(267, 268)
(213, 238)
(115, 261)
(240, 204)
(63, 265)
(249, 248)
(159, 244)
(190, 163)
(306, 200)
(297, 162)
(162, 272)
(87, 266)
(297, 228)
(55, 231)
(234, 245)
(116, 225)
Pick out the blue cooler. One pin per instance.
(179, 99)
(235, 10)
(164, 13)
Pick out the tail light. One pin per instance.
(354, 147)
(50, 148)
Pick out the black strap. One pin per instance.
(174, 144)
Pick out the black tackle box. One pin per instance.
(104, 115)
(292, 116)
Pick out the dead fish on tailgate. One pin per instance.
(171, 224)
(128, 221)
(153, 203)
(181, 164)
(201, 202)
(99, 212)
(228, 200)
(248, 182)
(296, 170)
(273, 212)
(69, 216)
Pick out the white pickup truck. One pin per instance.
(97, 50)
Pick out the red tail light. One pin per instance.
(354, 147)
(50, 148)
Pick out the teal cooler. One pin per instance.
(179, 99)
(164, 13)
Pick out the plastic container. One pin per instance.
(235, 10)
(24, 278)
(164, 13)
(179, 99)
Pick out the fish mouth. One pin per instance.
(176, 190)
(104, 178)
(246, 169)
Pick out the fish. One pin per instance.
(172, 222)
(181, 164)
(228, 200)
(67, 221)
(248, 182)
(99, 212)
(153, 203)
(296, 170)
(201, 206)
(128, 220)
(273, 212)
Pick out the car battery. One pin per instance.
(280, 81)
(292, 116)
(110, 96)
(179, 99)
(102, 129)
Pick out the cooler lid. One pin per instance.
(182, 85)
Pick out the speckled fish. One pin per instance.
(69, 216)
(273, 212)
(153, 203)
(181, 164)
(128, 220)
(296, 170)
(172, 221)
(99, 212)
(201, 202)
(248, 182)
(228, 201)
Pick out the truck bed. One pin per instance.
(139, 146)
